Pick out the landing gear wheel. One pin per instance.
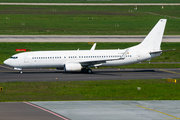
(89, 71)
(84, 70)
(21, 72)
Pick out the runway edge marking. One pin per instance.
(44, 109)
(158, 111)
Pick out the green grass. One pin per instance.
(86, 20)
(8, 49)
(91, 1)
(154, 89)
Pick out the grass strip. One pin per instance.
(86, 20)
(153, 89)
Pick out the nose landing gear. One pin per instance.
(20, 71)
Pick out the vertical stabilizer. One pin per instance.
(153, 40)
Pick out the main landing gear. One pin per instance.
(84, 70)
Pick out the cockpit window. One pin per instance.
(14, 57)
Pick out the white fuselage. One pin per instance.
(57, 59)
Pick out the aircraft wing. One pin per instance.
(99, 62)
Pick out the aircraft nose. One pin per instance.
(7, 62)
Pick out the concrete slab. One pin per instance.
(115, 110)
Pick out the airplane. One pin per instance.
(83, 60)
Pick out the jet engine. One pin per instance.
(72, 67)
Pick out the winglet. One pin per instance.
(124, 55)
(93, 47)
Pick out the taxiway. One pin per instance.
(82, 38)
(7, 74)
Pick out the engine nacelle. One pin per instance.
(72, 67)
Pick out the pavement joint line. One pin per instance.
(158, 111)
(44, 109)
(169, 71)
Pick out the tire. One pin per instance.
(89, 71)
(84, 70)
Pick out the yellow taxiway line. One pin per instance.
(169, 71)
(158, 111)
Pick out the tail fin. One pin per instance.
(153, 40)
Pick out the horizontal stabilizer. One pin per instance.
(159, 51)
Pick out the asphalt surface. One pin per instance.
(7, 74)
(24, 111)
(82, 38)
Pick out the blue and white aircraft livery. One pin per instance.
(83, 60)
